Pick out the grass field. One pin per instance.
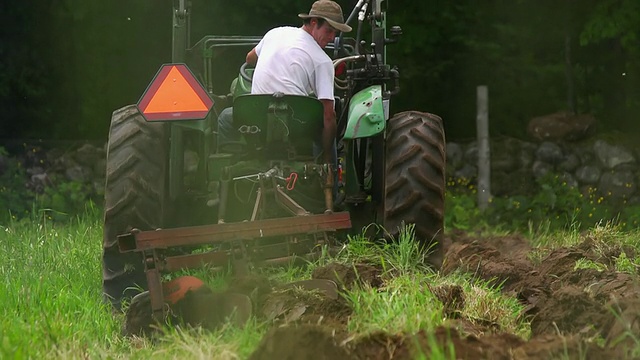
(52, 305)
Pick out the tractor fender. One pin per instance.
(367, 115)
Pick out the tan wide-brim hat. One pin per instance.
(330, 11)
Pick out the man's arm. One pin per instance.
(328, 131)
(252, 57)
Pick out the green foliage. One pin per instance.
(555, 201)
(404, 254)
(436, 350)
(404, 304)
(401, 255)
(360, 248)
(589, 264)
(613, 19)
(555, 206)
(24, 81)
(407, 303)
(517, 48)
(627, 265)
(49, 290)
(15, 199)
(622, 263)
(63, 199)
(630, 216)
(461, 209)
(485, 300)
(629, 336)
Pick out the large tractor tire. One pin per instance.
(414, 185)
(134, 197)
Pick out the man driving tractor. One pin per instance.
(292, 61)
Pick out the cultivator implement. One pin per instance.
(238, 245)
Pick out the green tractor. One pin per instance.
(174, 199)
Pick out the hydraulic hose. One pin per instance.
(361, 16)
(339, 83)
(338, 40)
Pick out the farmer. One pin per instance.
(291, 60)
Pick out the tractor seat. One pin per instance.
(279, 126)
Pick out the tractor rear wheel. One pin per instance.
(134, 197)
(414, 185)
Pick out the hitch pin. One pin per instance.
(246, 177)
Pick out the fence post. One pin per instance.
(484, 154)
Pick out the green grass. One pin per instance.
(52, 305)
(404, 304)
(630, 335)
(606, 238)
(50, 292)
(486, 302)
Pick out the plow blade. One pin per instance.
(191, 302)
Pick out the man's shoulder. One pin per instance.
(308, 45)
(319, 55)
(315, 54)
(282, 30)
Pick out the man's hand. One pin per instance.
(328, 131)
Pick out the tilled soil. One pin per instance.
(568, 309)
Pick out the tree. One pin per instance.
(65, 65)
(612, 34)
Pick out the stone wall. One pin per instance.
(84, 164)
(609, 168)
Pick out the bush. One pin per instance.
(555, 205)
(60, 200)
(15, 199)
(461, 209)
(66, 198)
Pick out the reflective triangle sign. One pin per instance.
(175, 94)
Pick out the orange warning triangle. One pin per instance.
(175, 94)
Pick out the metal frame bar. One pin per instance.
(138, 240)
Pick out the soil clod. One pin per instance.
(348, 276)
(304, 341)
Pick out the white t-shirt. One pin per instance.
(291, 61)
